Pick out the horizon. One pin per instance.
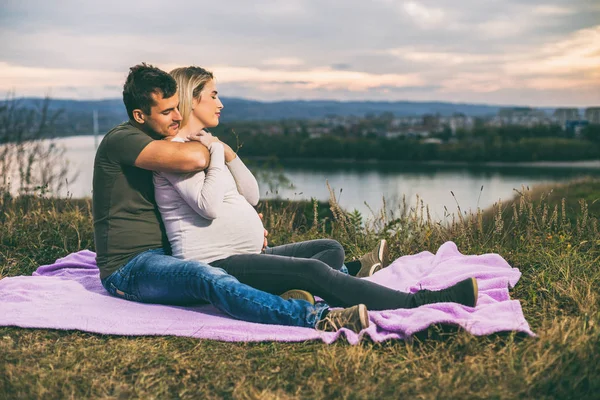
(533, 53)
(226, 98)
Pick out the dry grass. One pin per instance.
(559, 290)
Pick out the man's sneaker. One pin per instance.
(375, 260)
(298, 294)
(354, 318)
(464, 292)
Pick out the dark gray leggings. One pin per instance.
(313, 266)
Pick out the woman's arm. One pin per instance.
(203, 191)
(244, 180)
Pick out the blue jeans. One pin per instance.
(153, 277)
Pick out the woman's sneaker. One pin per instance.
(375, 260)
(464, 292)
(298, 294)
(354, 318)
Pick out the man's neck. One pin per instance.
(144, 128)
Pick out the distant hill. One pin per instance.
(77, 114)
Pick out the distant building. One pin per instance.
(393, 134)
(562, 115)
(515, 112)
(418, 132)
(432, 141)
(431, 122)
(524, 116)
(412, 132)
(576, 126)
(592, 114)
(458, 121)
(318, 131)
(275, 130)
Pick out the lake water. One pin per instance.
(363, 186)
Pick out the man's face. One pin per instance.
(164, 118)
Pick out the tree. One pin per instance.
(30, 159)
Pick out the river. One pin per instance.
(363, 186)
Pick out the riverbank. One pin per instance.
(582, 165)
(553, 242)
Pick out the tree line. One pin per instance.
(505, 144)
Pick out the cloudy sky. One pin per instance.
(526, 52)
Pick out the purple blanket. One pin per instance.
(68, 295)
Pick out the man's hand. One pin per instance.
(265, 243)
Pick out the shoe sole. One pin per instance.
(364, 316)
(384, 253)
(475, 291)
(297, 294)
(374, 268)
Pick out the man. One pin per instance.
(131, 244)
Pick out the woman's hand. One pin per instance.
(197, 136)
(266, 242)
(204, 137)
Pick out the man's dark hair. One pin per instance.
(143, 80)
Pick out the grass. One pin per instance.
(554, 242)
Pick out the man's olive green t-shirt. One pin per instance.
(126, 217)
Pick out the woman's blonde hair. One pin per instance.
(190, 82)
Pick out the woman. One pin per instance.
(209, 216)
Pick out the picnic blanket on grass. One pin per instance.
(68, 295)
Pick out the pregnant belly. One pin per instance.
(237, 230)
(246, 232)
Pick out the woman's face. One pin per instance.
(207, 108)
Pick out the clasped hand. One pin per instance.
(207, 138)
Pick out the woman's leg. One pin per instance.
(328, 251)
(276, 274)
(331, 253)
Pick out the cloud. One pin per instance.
(500, 52)
(571, 63)
(422, 15)
(283, 62)
(550, 9)
(341, 66)
(579, 53)
(412, 54)
(317, 78)
(60, 82)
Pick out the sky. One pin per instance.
(542, 53)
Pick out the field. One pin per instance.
(550, 234)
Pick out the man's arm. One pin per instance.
(202, 191)
(167, 156)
